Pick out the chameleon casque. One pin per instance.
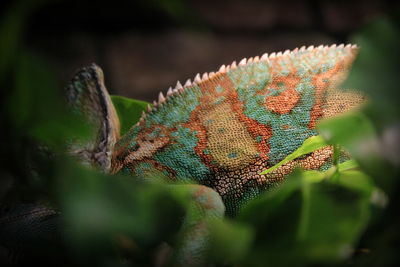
(223, 129)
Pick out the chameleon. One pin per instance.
(218, 132)
(223, 129)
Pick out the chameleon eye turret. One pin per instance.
(88, 96)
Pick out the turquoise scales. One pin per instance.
(224, 128)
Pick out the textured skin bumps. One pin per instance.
(224, 130)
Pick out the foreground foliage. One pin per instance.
(344, 215)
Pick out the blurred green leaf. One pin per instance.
(128, 110)
(348, 165)
(348, 130)
(375, 72)
(229, 241)
(309, 145)
(357, 181)
(101, 211)
(371, 136)
(309, 219)
(375, 69)
(11, 28)
(37, 104)
(356, 133)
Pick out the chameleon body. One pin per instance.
(220, 131)
(224, 129)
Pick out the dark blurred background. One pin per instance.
(146, 46)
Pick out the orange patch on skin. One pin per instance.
(202, 143)
(194, 123)
(146, 148)
(255, 128)
(116, 162)
(159, 167)
(321, 82)
(286, 100)
(209, 95)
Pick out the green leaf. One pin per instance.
(356, 133)
(128, 110)
(310, 144)
(347, 165)
(309, 219)
(375, 70)
(229, 240)
(102, 210)
(36, 104)
(356, 180)
(346, 129)
(12, 26)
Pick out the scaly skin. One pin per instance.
(223, 130)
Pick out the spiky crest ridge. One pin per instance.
(172, 92)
